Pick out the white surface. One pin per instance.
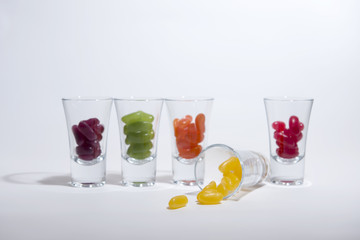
(235, 51)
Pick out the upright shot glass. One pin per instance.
(189, 121)
(231, 169)
(87, 123)
(288, 124)
(138, 120)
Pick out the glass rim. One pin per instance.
(189, 99)
(234, 152)
(289, 99)
(131, 98)
(87, 98)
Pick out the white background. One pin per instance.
(235, 51)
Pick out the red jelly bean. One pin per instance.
(278, 126)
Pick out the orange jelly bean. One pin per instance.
(178, 202)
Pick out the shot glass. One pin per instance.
(189, 121)
(87, 123)
(288, 124)
(138, 120)
(254, 167)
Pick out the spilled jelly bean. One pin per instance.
(178, 202)
(232, 174)
(209, 197)
(139, 133)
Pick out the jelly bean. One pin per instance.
(221, 188)
(294, 124)
(84, 150)
(140, 147)
(178, 202)
(210, 186)
(209, 197)
(138, 116)
(138, 126)
(92, 122)
(79, 138)
(200, 122)
(139, 137)
(87, 131)
(140, 155)
(233, 181)
(279, 126)
(190, 153)
(232, 165)
(98, 128)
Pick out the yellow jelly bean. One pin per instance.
(234, 180)
(209, 197)
(210, 186)
(232, 165)
(221, 188)
(178, 202)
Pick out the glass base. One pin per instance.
(185, 182)
(87, 185)
(286, 182)
(137, 184)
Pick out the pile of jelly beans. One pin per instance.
(287, 138)
(188, 135)
(88, 134)
(212, 194)
(232, 174)
(139, 133)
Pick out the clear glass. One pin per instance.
(138, 120)
(189, 121)
(288, 124)
(255, 167)
(87, 121)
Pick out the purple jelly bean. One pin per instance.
(85, 150)
(92, 122)
(87, 131)
(79, 138)
(99, 128)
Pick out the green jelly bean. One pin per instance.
(142, 155)
(139, 147)
(138, 116)
(137, 126)
(139, 137)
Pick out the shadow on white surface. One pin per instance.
(38, 178)
(113, 181)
